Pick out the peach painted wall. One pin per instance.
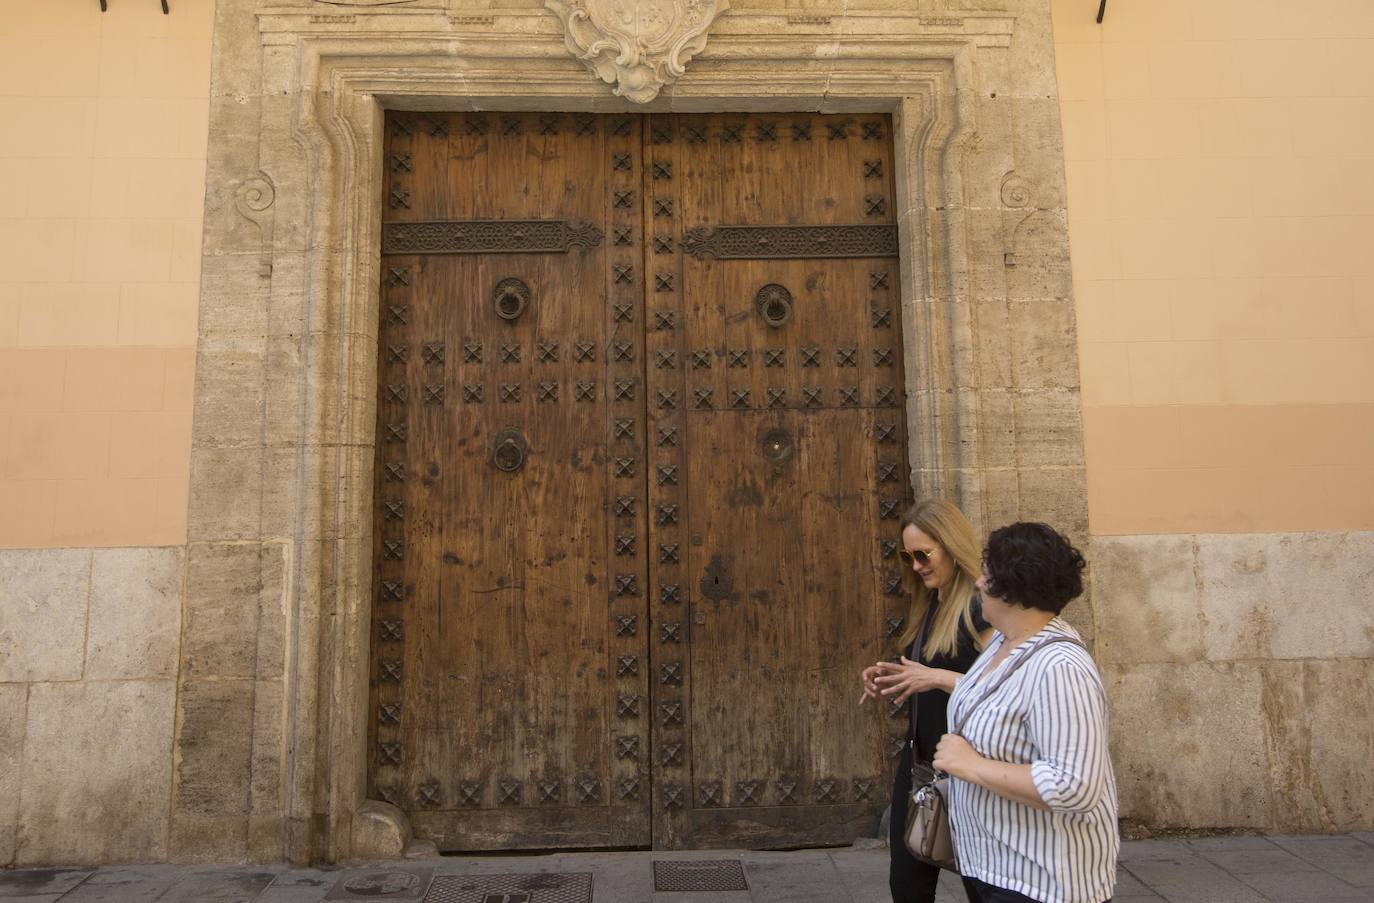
(1221, 216)
(103, 121)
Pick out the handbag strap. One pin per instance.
(916, 657)
(1014, 667)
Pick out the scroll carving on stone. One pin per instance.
(636, 45)
(253, 199)
(1017, 192)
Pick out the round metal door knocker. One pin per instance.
(510, 296)
(776, 446)
(508, 453)
(774, 304)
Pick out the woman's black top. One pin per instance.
(929, 722)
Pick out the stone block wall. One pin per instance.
(227, 794)
(140, 722)
(89, 644)
(1240, 670)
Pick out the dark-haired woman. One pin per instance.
(1033, 803)
(939, 546)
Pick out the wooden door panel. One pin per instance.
(792, 473)
(500, 627)
(660, 611)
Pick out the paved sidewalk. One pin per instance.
(1336, 869)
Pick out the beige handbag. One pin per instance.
(927, 818)
(928, 836)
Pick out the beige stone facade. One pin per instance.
(282, 443)
(222, 659)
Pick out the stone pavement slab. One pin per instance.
(1348, 858)
(1129, 887)
(37, 882)
(785, 877)
(1191, 879)
(125, 884)
(1278, 874)
(1336, 869)
(298, 886)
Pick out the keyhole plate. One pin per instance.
(777, 446)
(716, 584)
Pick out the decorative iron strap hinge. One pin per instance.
(531, 236)
(775, 242)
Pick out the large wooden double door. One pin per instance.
(640, 458)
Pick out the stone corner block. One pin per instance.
(422, 849)
(1188, 744)
(380, 831)
(13, 705)
(1287, 595)
(96, 774)
(43, 609)
(230, 585)
(135, 621)
(1319, 728)
(213, 753)
(1145, 612)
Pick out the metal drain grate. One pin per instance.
(699, 874)
(538, 887)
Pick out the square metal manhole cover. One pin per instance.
(699, 874)
(530, 887)
(381, 884)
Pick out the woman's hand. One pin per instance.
(870, 688)
(901, 679)
(956, 757)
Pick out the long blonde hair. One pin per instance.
(946, 524)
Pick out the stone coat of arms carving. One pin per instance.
(637, 45)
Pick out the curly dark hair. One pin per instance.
(1033, 566)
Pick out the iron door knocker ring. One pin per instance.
(510, 297)
(774, 304)
(509, 451)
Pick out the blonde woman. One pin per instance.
(939, 546)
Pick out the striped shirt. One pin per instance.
(1052, 715)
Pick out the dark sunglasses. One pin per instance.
(920, 556)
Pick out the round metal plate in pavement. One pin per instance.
(381, 884)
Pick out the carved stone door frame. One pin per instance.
(975, 126)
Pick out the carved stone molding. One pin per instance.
(636, 45)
